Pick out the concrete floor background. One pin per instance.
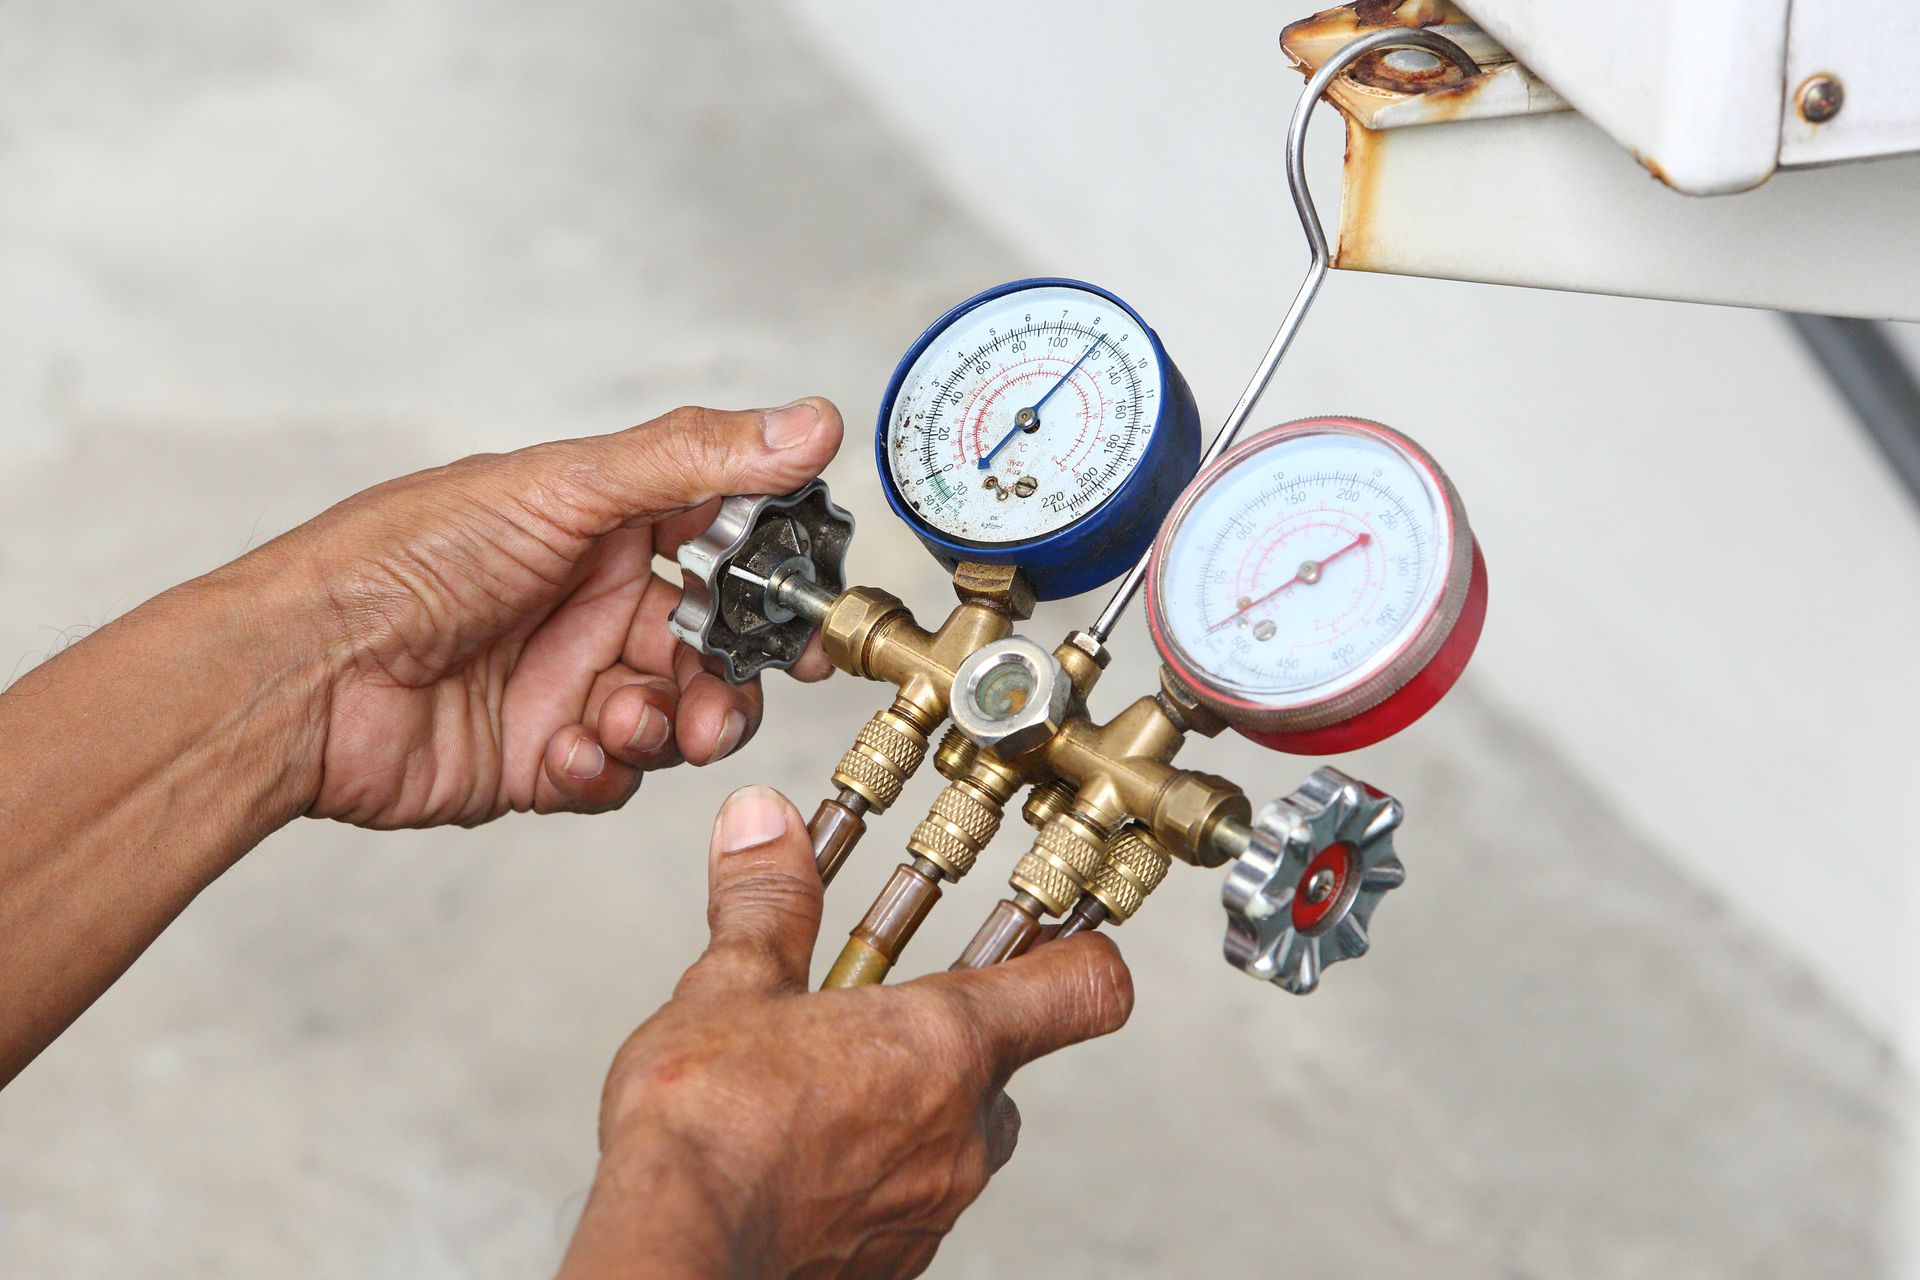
(252, 260)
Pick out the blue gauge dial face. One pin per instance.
(1023, 415)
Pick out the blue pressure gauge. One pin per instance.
(1039, 424)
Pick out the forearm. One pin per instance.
(134, 769)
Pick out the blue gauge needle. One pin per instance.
(1029, 418)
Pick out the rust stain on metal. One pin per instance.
(1331, 28)
(1359, 180)
(1454, 100)
(1652, 166)
(1379, 71)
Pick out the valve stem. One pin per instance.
(1009, 931)
(796, 592)
(1088, 914)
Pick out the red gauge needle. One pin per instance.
(1310, 571)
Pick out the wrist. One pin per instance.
(260, 637)
(656, 1209)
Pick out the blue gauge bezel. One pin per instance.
(1105, 542)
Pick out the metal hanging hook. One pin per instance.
(1330, 70)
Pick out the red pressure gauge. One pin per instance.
(1318, 586)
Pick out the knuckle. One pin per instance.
(1106, 989)
(765, 892)
(950, 1021)
(667, 1082)
(687, 420)
(739, 962)
(683, 451)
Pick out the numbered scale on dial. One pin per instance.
(1318, 586)
(1039, 424)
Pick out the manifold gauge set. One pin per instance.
(1314, 587)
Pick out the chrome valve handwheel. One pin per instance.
(1303, 894)
(747, 581)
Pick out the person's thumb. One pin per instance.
(691, 456)
(763, 896)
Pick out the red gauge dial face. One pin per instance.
(1309, 575)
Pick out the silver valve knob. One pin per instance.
(1302, 895)
(762, 575)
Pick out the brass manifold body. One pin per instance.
(1110, 808)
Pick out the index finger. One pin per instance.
(1053, 996)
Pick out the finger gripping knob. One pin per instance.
(1303, 894)
(755, 583)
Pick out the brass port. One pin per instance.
(1046, 802)
(955, 753)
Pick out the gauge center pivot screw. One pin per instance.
(1303, 894)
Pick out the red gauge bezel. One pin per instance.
(1392, 697)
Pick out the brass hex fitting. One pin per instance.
(1136, 864)
(887, 752)
(1047, 801)
(870, 634)
(1056, 870)
(1121, 771)
(1189, 810)
(1083, 658)
(1000, 585)
(1185, 710)
(1118, 767)
(857, 618)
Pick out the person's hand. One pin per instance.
(497, 636)
(750, 1129)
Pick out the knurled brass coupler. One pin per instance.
(961, 823)
(1136, 864)
(1047, 801)
(964, 819)
(886, 753)
(1061, 863)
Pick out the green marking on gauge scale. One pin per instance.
(940, 487)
